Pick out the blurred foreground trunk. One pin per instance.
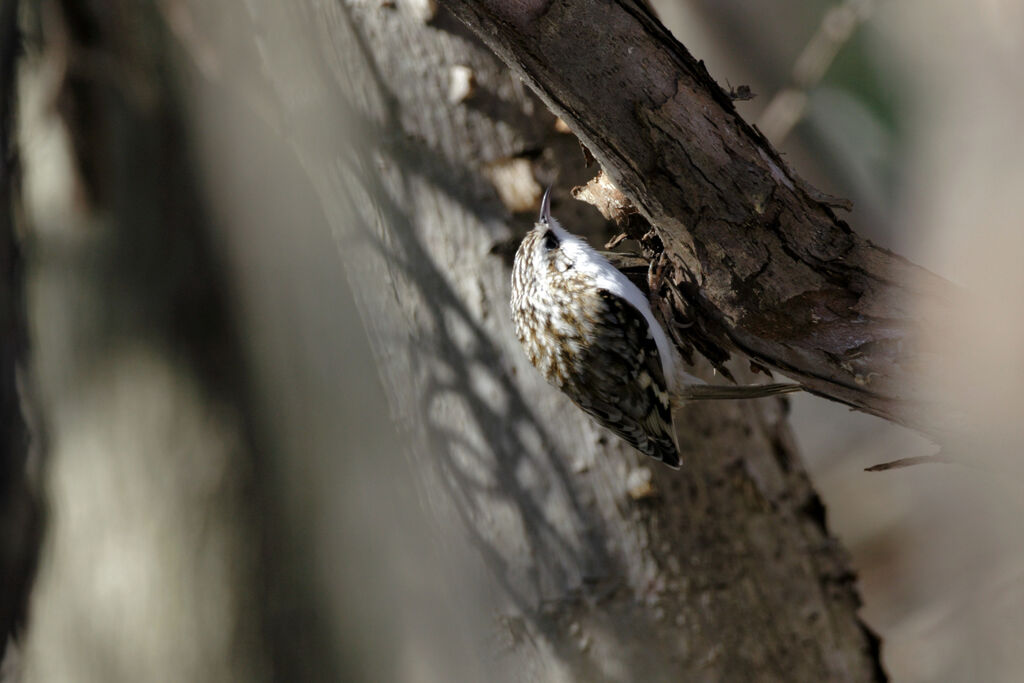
(229, 500)
(20, 512)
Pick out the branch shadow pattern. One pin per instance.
(479, 459)
(481, 440)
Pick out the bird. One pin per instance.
(592, 334)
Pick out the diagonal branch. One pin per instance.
(768, 267)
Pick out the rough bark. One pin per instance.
(766, 265)
(727, 572)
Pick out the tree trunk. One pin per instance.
(551, 552)
(727, 572)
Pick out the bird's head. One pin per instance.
(548, 250)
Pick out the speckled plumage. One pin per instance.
(591, 333)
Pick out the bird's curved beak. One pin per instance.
(545, 207)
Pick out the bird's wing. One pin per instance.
(622, 371)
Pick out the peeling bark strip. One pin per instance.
(769, 268)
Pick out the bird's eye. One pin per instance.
(550, 240)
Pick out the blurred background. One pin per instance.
(234, 393)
